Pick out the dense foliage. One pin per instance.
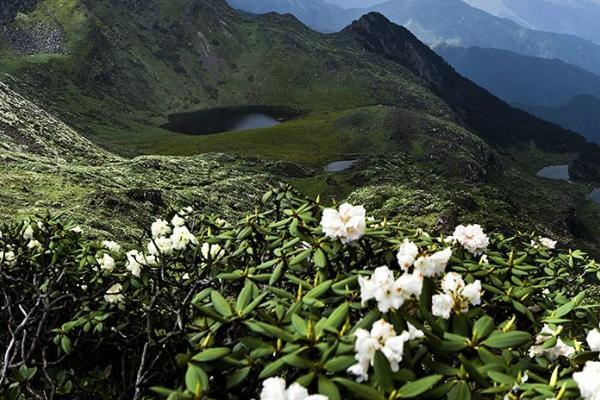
(293, 300)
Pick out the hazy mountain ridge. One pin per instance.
(522, 79)
(580, 114)
(576, 17)
(442, 22)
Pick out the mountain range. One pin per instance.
(432, 148)
(580, 114)
(444, 22)
(576, 17)
(550, 89)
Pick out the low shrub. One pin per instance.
(294, 302)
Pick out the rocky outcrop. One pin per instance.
(10, 8)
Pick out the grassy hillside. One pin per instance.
(429, 143)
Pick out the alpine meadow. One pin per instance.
(299, 200)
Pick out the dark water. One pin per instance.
(559, 172)
(595, 195)
(228, 119)
(338, 166)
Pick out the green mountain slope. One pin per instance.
(432, 147)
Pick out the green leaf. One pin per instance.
(501, 378)
(383, 372)
(299, 325)
(338, 364)
(66, 344)
(211, 354)
(337, 317)
(504, 340)
(244, 297)
(416, 388)
(220, 304)
(483, 327)
(361, 391)
(320, 259)
(320, 290)
(238, 377)
(328, 388)
(196, 380)
(460, 391)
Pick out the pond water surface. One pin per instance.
(561, 172)
(228, 119)
(338, 166)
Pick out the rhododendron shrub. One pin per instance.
(295, 301)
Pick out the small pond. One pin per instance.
(559, 172)
(338, 166)
(228, 119)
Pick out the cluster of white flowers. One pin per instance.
(426, 265)
(111, 246)
(106, 262)
(8, 257)
(561, 349)
(471, 237)
(136, 261)
(29, 234)
(547, 243)
(180, 236)
(211, 251)
(381, 338)
(114, 294)
(348, 224)
(276, 389)
(456, 296)
(390, 293)
(588, 380)
(593, 340)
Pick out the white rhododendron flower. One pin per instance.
(472, 293)
(28, 233)
(114, 294)
(414, 333)
(160, 245)
(210, 250)
(548, 243)
(588, 380)
(186, 211)
(275, 389)
(348, 224)
(111, 246)
(77, 229)
(593, 340)
(182, 237)
(106, 262)
(472, 238)
(433, 265)
(441, 305)
(8, 257)
(160, 228)
(381, 338)
(390, 293)
(457, 296)
(35, 245)
(178, 220)
(134, 265)
(407, 254)
(561, 349)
